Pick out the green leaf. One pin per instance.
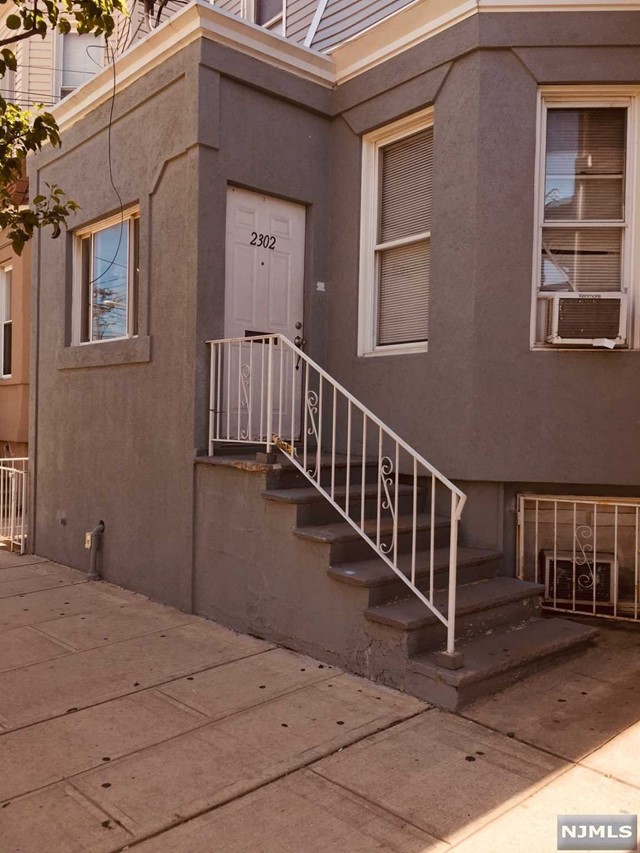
(9, 59)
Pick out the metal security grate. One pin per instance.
(585, 550)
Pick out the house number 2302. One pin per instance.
(264, 240)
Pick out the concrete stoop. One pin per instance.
(394, 639)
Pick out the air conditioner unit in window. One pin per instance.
(569, 578)
(587, 319)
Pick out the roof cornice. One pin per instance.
(423, 19)
(199, 19)
(409, 26)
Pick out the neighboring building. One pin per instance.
(441, 200)
(15, 284)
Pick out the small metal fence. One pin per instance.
(13, 504)
(585, 550)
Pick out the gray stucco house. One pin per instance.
(439, 200)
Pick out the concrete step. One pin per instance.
(481, 606)
(285, 474)
(314, 508)
(473, 564)
(347, 543)
(495, 661)
(410, 613)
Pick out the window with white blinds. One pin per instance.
(5, 322)
(396, 237)
(583, 220)
(82, 57)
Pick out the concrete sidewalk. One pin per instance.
(128, 725)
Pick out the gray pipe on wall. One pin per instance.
(96, 542)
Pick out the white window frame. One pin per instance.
(3, 272)
(372, 143)
(249, 11)
(126, 218)
(568, 97)
(58, 66)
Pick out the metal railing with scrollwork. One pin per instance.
(586, 552)
(264, 390)
(13, 503)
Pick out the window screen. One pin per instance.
(584, 195)
(82, 57)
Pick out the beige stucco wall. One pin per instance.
(14, 392)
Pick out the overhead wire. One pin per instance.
(110, 163)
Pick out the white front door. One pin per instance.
(263, 296)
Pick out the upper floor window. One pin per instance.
(5, 322)
(106, 280)
(395, 245)
(270, 14)
(8, 85)
(81, 58)
(583, 284)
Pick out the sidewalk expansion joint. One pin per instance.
(276, 778)
(201, 721)
(142, 689)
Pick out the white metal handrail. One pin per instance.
(13, 502)
(265, 390)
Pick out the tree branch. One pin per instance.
(20, 37)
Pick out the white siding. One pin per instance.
(39, 79)
(299, 16)
(22, 74)
(233, 6)
(139, 28)
(343, 19)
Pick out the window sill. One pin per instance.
(104, 354)
(395, 349)
(568, 348)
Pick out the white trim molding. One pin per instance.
(372, 143)
(199, 19)
(421, 20)
(83, 289)
(414, 23)
(315, 23)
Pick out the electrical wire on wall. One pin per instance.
(110, 162)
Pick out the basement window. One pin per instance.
(106, 272)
